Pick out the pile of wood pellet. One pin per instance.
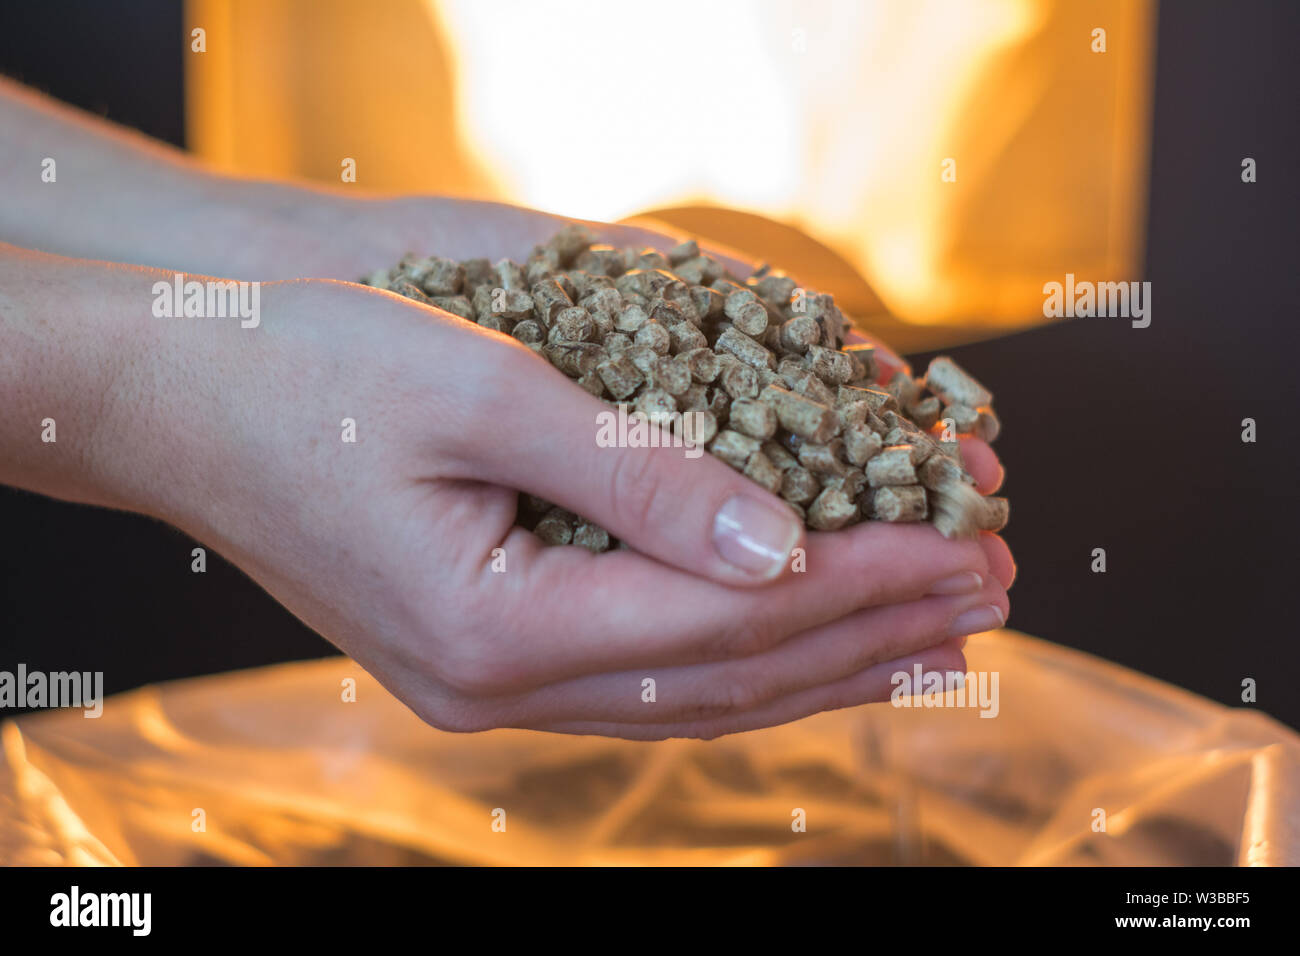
(762, 363)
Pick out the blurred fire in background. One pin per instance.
(955, 155)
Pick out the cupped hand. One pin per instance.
(401, 546)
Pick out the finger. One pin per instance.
(677, 504)
(722, 689)
(588, 614)
(875, 683)
(1001, 564)
(982, 462)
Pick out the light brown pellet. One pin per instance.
(746, 313)
(548, 299)
(699, 426)
(760, 470)
(740, 345)
(556, 527)
(800, 415)
(893, 466)
(528, 332)
(734, 448)
(987, 427)
(905, 389)
(591, 383)
(657, 405)
(512, 303)
(684, 337)
(822, 459)
(456, 305)
(708, 302)
(798, 333)
(854, 413)
(673, 376)
(861, 444)
(630, 318)
(511, 276)
(811, 386)
(757, 371)
(832, 510)
(620, 375)
(799, 485)
(739, 381)
(703, 364)
(753, 418)
(779, 456)
(963, 417)
(831, 366)
(654, 336)
(477, 272)
(852, 482)
(951, 383)
(899, 503)
(683, 251)
(693, 399)
(574, 324)
(925, 412)
(575, 359)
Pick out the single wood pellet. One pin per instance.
(779, 396)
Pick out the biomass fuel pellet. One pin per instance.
(753, 368)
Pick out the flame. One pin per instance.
(837, 118)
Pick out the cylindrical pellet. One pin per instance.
(831, 510)
(951, 383)
(893, 466)
(744, 348)
(753, 418)
(799, 485)
(734, 448)
(761, 471)
(800, 415)
(900, 503)
(739, 381)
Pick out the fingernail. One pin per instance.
(976, 621)
(968, 582)
(754, 536)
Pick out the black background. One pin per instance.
(1114, 437)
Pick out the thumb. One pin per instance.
(680, 505)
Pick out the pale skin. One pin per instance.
(385, 546)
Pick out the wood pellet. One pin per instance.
(784, 401)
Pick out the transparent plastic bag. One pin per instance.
(271, 766)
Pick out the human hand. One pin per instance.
(386, 546)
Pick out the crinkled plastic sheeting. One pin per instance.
(285, 772)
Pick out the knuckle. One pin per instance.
(636, 488)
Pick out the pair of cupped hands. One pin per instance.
(402, 549)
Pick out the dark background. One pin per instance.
(1120, 438)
